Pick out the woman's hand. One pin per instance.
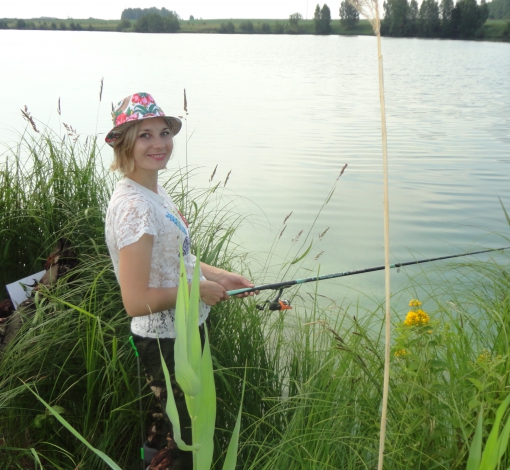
(230, 281)
(211, 292)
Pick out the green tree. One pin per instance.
(124, 25)
(484, 11)
(3, 24)
(278, 28)
(396, 18)
(265, 28)
(317, 16)
(155, 23)
(21, 24)
(295, 18)
(429, 24)
(191, 18)
(293, 26)
(62, 26)
(322, 20)
(413, 17)
(499, 9)
(506, 31)
(445, 12)
(227, 28)
(247, 27)
(349, 16)
(467, 18)
(137, 13)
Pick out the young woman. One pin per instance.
(145, 233)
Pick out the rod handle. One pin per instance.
(132, 343)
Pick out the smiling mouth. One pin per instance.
(157, 156)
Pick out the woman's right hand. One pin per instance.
(211, 292)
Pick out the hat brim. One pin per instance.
(174, 123)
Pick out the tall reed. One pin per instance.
(370, 10)
(312, 389)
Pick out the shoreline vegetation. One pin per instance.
(402, 19)
(312, 376)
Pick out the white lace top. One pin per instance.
(133, 211)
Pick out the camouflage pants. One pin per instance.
(160, 431)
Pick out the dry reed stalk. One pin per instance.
(101, 89)
(26, 115)
(213, 173)
(226, 179)
(370, 10)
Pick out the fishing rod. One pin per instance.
(277, 304)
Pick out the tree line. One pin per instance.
(402, 18)
(463, 20)
(149, 20)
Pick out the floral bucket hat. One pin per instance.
(135, 108)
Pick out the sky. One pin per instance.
(206, 9)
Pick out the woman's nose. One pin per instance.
(159, 142)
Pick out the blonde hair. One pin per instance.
(123, 160)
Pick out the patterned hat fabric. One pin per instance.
(135, 108)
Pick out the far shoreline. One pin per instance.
(492, 30)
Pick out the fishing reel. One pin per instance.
(276, 303)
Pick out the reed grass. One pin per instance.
(312, 376)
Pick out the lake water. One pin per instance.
(284, 114)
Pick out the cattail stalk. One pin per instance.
(370, 10)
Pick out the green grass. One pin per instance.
(496, 30)
(313, 384)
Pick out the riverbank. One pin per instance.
(313, 376)
(492, 30)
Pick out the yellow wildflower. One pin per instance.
(417, 318)
(414, 303)
(485, 356)
(400, 353)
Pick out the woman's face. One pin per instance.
(153, 145)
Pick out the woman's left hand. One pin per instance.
(232, 281)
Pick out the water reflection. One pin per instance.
(285, 113)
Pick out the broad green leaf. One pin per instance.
(76, 434)
(231, 458)
(194, 342)
(473, 403)
(184, 373)
(205, 421)
(490, 454)
(475, 453)
(171, 410)
(503, 439)
(438, 364)
(477, 383)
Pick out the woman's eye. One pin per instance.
(144, 136)
(165, 133)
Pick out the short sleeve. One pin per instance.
(133, 218)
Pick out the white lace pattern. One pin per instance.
(133, 211)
